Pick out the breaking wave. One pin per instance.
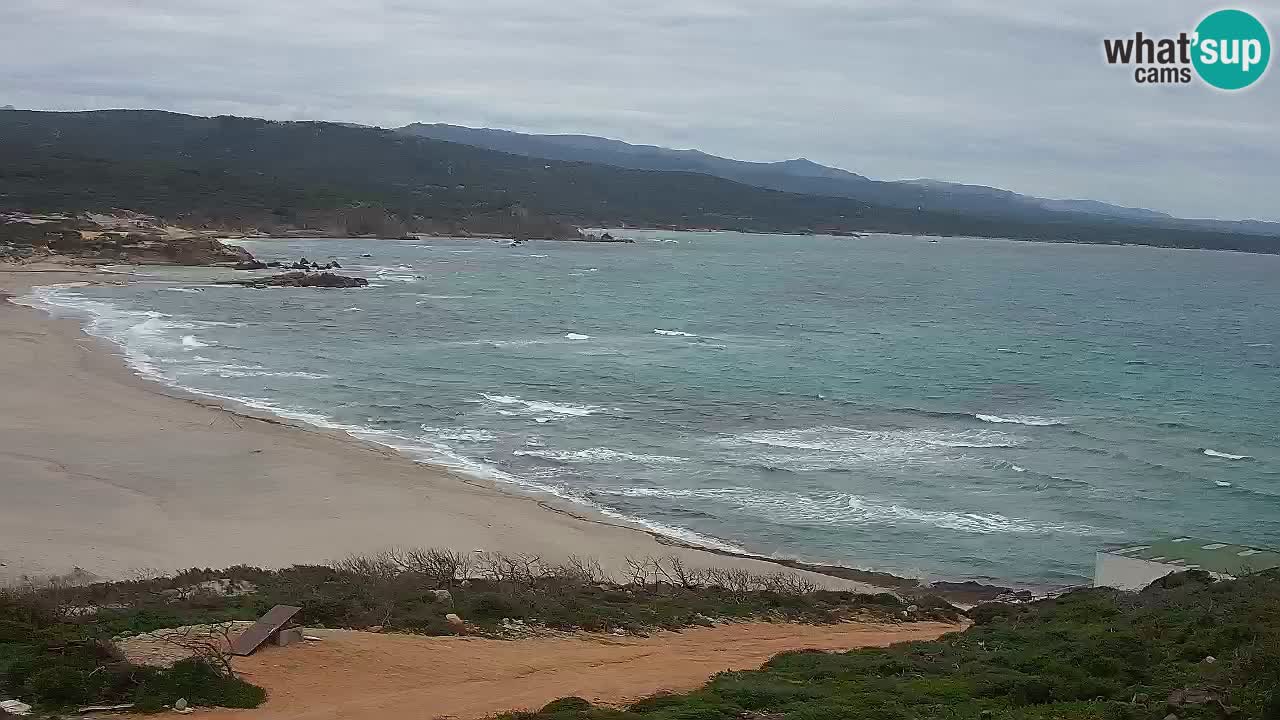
(887, 445)
(845, 509)
(601, 455)
(1031, 420)
(1225, 456)
(539, 406)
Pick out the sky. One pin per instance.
(1007, 93)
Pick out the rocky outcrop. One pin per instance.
(300, 278)
(602, 237)
(89, 238)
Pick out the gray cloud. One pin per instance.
(995, 92)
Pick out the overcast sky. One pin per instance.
(993, 92)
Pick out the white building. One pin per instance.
(1134, 567)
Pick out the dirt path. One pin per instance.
(363, 676)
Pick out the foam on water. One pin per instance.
(879, 445)
(1031, 420)
(459, 434)
(602, 455)
(1225, 456)
(845, 509)
(674, 333)
(539, 406)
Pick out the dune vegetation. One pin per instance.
(1186, 646)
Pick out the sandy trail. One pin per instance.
(363, 676)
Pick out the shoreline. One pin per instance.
(108, 359)
(233, 238)
(115, 475)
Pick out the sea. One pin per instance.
(942, 408)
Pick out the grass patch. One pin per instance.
(55, 661)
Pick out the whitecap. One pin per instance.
(459, 434)
(602, 455)
(191, 341)
(184, 290)
(1222, 483)
(576, 336)
(1020, 420)
(226, 373)
(884, 445)
(1225, 456)
(673, 333)
(539, 407)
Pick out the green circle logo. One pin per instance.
(1232, 49)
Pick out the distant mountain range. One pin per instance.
(805, 176)
(330, 178)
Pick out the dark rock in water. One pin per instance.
(275, 264)
(251, 265)
(603, 237)
(301, 279)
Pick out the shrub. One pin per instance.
(566, 704)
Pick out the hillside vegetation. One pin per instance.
(247, 173)
(58, 650)
(1185, 647)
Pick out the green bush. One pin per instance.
(566, 704)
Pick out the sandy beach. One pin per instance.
(113, 475)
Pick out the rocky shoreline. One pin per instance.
(100, 239)
(300, 278)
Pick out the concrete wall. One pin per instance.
(1125, 573)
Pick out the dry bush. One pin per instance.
(577, 569)
(210, 644)
(520, 569)
(381, 565)
(735, 580)
(438, 566)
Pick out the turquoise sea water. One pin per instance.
(952, 409)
